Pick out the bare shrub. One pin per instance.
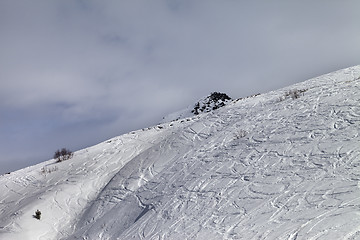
(294, 94)
(240, 134)
(37, 214)
(63, 154)
(47, 170)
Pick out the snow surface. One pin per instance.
(271, 166)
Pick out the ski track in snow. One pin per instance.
(266, 167)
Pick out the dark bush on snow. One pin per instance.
(37, 214)
(212, 102)
(216, 96)
(63, 154)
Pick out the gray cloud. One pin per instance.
(74, 73)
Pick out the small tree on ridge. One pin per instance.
(63, 154)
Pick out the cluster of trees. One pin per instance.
(216, 96)
(63, 154)
(214, 101)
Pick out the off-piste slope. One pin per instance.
(281, 165)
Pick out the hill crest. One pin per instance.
(280, 165)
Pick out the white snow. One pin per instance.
(265, 167)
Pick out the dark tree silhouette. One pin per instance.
(63, 154)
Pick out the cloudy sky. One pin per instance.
(74, 73)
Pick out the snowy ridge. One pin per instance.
(274, 166)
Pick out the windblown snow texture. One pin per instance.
(273, 166)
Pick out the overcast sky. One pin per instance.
(74, 73)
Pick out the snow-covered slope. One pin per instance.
(281, 165)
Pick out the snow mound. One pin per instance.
(280, 165)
